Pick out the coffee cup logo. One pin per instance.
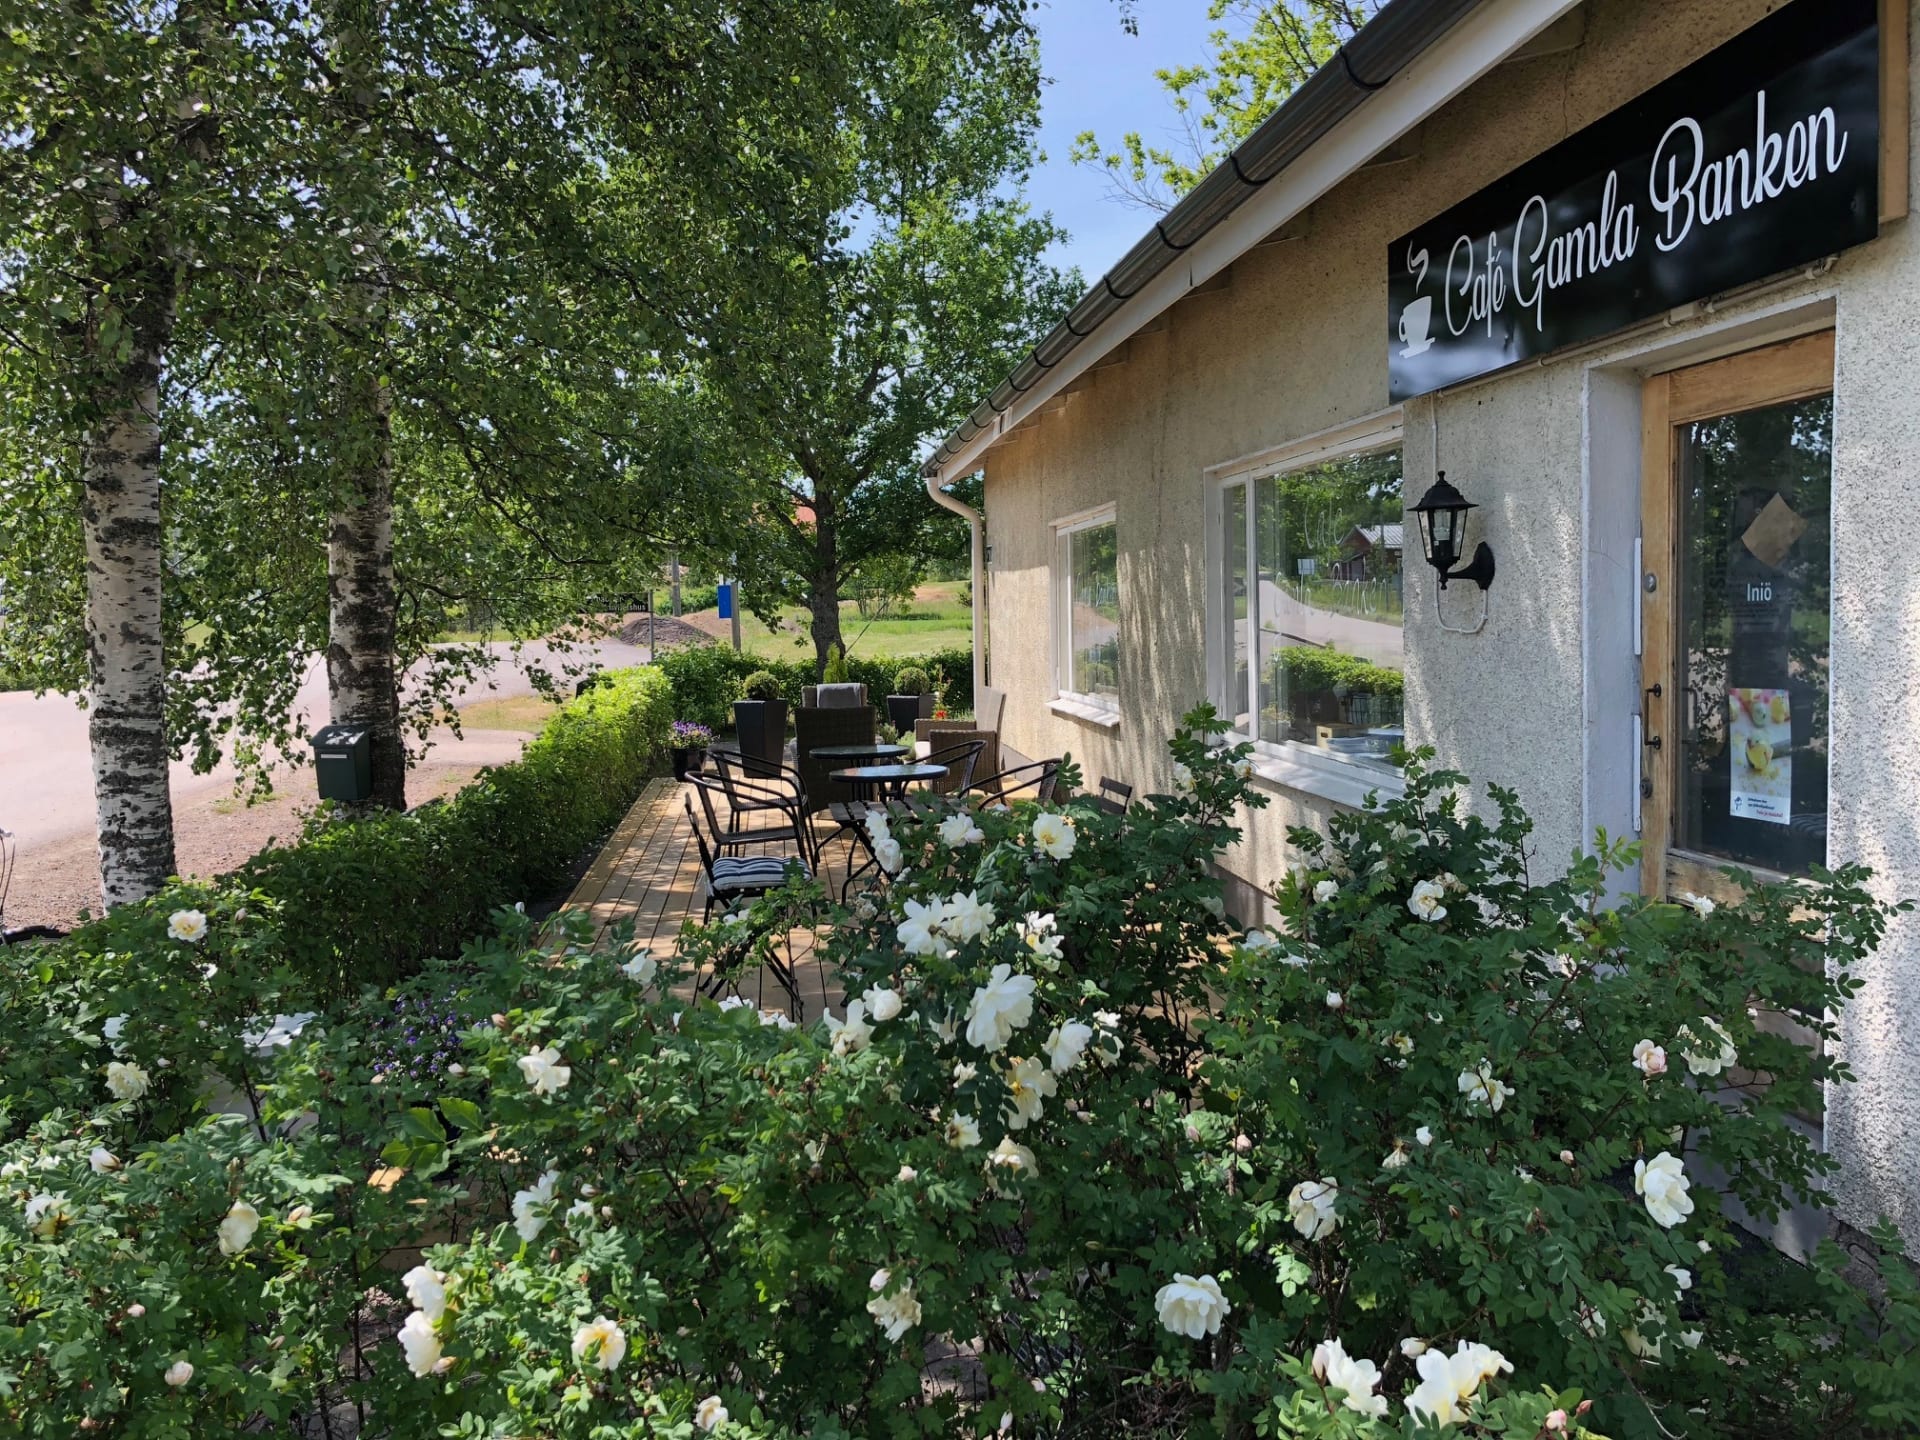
(1415, 321)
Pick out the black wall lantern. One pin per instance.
(1443, 523)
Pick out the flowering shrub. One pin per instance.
(1067, 1160)
(690, 735)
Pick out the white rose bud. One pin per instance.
(179, 1373)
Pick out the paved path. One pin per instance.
(46, 773)
(46, 786)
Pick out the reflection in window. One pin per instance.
(1322, 664)
(1092, 614)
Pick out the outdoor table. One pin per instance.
(886, 781)
(870, 753)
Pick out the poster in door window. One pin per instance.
(1760, 732)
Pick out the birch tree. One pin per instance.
(117, 180)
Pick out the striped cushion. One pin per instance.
(753, 872)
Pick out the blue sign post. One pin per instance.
(725, 592)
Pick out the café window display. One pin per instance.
(1309, 605)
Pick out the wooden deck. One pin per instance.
(649, 874)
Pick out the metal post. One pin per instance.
(652, 610)
(673, 561)
(736, 615)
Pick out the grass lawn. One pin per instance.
(513, 712)
(934, 620)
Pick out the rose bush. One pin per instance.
(1076, 1156)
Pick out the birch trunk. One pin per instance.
(363, 597)
(126, 663)
(363, 602)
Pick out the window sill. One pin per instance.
(1091, 714)
(1295, 767)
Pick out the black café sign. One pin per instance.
(1762, 156)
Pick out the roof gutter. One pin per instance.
(1402, 32)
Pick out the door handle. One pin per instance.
(1652, 692)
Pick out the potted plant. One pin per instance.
(911, 699)
(690, 740)
(760, 717)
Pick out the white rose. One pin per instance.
(1028, 1083)
(1067, 1045)
(421, 1344)
(963, 1132)
(1649, 1059)
(853, 1034)
(891, 857)
(1009, 1161)
(236, 1231)
(641, 969)
(907, 1175)
(1053, 835)
(1397, 1157)
(126, 1081)
(1310, 1205)
(1182, 779)
(1662, 1182)
(919, 932)
(187, 925)
(964, 917)
(960, 829)
(1191, 1305)
(1325, 891)
(530, 1206)
(1480, 1088)
(1413, 1347)
(45, 1214)
(710, 1414)
(896, 1313)
(1357, 1378)
(998, 1008)
(1707, 1054)
(603, 1341)
(544, 1071)
(1425, 900)
(427, 1290)
(178, 1373)
(1335, 1000)
(882, 1003)
(101, 1160)
(1424, 1135)
(1700, 904)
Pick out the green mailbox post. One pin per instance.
(343, 761)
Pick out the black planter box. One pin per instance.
(762, 728)
(902, 711)
(686, 758)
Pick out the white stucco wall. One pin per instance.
(1539, 700)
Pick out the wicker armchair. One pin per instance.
(816, 727)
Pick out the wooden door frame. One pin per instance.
(1775, 374)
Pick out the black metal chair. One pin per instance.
(739, 877)
(764, 798)
(1112, 798)
(1040, 778)
(960, 761)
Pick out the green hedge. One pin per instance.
(364, 901)
(706, 678)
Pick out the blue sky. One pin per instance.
(1102, 79)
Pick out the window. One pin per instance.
(1308, 604)
(1086, 598)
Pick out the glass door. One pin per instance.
(1736, 523)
